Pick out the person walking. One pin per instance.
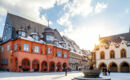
(65, 71)
(109, 71)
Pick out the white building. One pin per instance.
(113, 53)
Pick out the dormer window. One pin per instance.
(22, 33)
(35, 37)
(50, 38)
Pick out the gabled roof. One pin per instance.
(17, 22)
(117, 38)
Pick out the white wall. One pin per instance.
(118, 60)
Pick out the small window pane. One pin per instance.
(8, 47)
(65, 55)
(49, 50)
(26, 47)
(2, 49)
(59, 53)
(15, 46)
(36, 49)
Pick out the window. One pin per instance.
(102, 55)
(49, 37)
(112, 54)
(65, 55)
(26, 47)
(49, 50)
(4, 61)
(8, 47)
(59, 53)
(123, 53)
(35, 37)
(36, 49)
(22, 33)
(15, 46)
(2, 49)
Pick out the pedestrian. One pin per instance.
(105, 72)
(65, 71)
(109, 71)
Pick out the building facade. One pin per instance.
(75, 61)
(29, 46)
(77, 56)
(113, 53)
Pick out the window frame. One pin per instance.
(2, 49)
(112, 54)
(102, 55)
(36, 49)
(123, 53)
(26, 47)
(8, 47)
(49, 50)
(65, 54)
(15, 46)
(59, 53)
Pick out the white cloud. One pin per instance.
(99, 7)
(29, 9)
(60, 2)
(79, 7)
(87, 35)
(82, 35)
(64, 20)
(3, 11)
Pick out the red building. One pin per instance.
(29, 46)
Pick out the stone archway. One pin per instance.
(102, 65)
(35, 66)
(113, 67)
(59, 67)
(25, 65)
(52, 67)
(124, 67)
(64, 66)
(44, 66)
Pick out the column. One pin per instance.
(118, 68)
(30, 66)
(39, 67)
(18, 67)
(55, 67)
(47, 66)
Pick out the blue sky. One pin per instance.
(80, 20)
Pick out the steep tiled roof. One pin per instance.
(17, 22)
(117, 38)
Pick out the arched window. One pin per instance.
(112, 54)
(123, 53)
(102, 55)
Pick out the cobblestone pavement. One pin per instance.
(54, 76)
